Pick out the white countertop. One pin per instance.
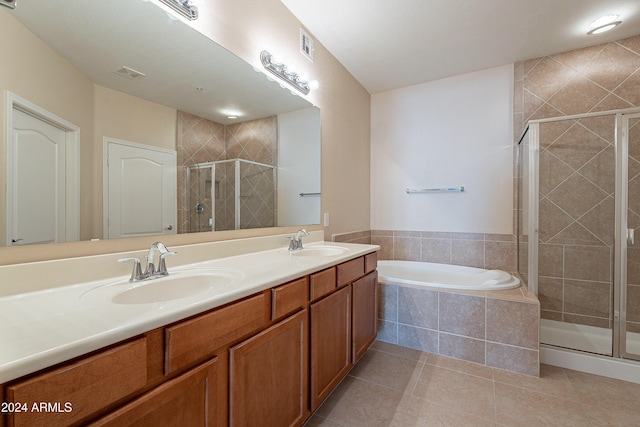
(42, 328)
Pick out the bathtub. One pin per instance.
(411, 273)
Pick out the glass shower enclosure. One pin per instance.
(230, 195)
(578, 182)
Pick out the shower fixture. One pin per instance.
(11, 4)
(183, 7)
(281, 71)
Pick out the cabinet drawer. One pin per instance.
(289, 297)
(195, 339)
(188, 400)
(322, 283)
(370, 262)
(350, 271)
(83, 387)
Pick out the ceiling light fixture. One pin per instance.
(11, 4)
(183, 7)
(603, 24)
(280, 70)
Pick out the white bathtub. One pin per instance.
(429, 274)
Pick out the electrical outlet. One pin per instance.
(326, 219)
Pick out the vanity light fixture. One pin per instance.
(281, 71)
(183, 7)
(11, 4)
(603, 24)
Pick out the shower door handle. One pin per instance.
(631, 236)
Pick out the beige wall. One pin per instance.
(244, 27)
(31, 70)
(247, 27)
(125, 117)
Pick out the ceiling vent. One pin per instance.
(129, 73)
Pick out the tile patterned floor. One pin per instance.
(401, 387)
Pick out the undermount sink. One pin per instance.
(320, 251)
(178, 285)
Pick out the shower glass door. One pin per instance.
(631, 295)
(575, 235)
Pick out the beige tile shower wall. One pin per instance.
(598, 78)
(200, 141)
(576, 171)
(492, 251)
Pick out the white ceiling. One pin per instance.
(388, 44)
(100, 37)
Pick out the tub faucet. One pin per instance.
(295, 242)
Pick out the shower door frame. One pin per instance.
(619, 264)
(622, 132)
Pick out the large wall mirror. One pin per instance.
(123, 121)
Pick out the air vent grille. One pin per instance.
(129, 73)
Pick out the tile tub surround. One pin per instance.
(490, 251)
(494, 328)
(363, 237)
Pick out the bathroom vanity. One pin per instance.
(268, 357)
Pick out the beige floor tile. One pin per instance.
(468, 393)
(475, 369)
(451, 392)
(594, 389)
(519, 407)
(361, 403)
(316, 421)
(553, 381)
(388, 370)
(398, 350)
(421, 413)
(620, 414)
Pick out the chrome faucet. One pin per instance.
(150, 271)
(162, 250)
(295, 242)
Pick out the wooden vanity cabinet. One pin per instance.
(364, 314)
(188, 400)
(268, 376)
(268, 359)
(75, 391)
(330, 343)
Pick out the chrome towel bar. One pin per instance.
(435, 190)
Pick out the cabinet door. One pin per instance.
(330, 343)
(269, 376)
(188, 400)
(365, 314)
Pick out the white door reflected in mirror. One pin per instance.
(140, 193)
